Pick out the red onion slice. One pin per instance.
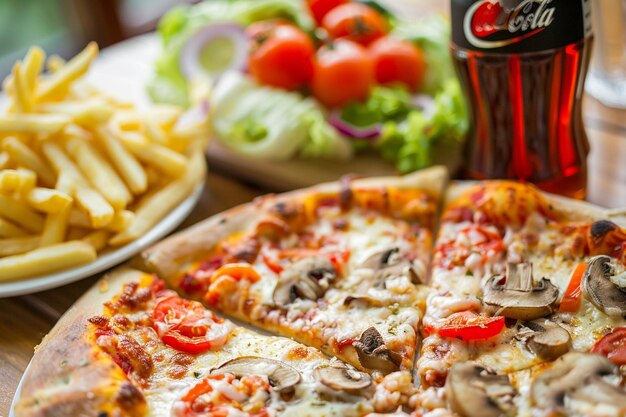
(190, 63)
(352, 131)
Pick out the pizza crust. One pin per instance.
(575, 210)
(167, 257)
(69, 376)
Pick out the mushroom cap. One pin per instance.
(339, 376)
(307, 278)
(282, 377)
(578, 376)
(518, 298)
(549, 340)
(600, 290)
(374, 354)
(472, 390)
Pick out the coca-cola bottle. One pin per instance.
(522, 64)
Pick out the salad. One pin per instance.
(282, 79)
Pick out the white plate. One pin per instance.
(18, 393)
(107, 260)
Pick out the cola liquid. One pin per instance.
(522, 64)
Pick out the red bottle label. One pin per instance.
(518, 26)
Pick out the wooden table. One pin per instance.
(25, 320)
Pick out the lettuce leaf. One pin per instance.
(268, 123)
(421, 139)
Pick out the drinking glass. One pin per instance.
(607, 76)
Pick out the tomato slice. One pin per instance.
(189, 327)
(467, 325)
(570, 303)
(613, 346)
(221, 405)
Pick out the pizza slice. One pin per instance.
(526, 289)
(339, 266)
(130, 347)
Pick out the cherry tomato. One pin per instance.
(344, 72)
(282, 55)
(613, 346)
(398, 61)
(320, 8)
(188, 327)
(467, 325)
(355, 21)
(570, 303)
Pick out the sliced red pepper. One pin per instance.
(613, 346)
(237, 271)
(570, 303)
(467, 325)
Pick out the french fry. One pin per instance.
(165, 114)
(26, 158)
(100, 174)
(91, 111)
(126, 164)
(46, 260)
(156, 206)
(62, 163)
(100, 211)
(17, 180)
(17, 245)
(55, 63)
(22, 94)
(21, 214)
(55, 228)
(77, 233)
(125, 121)
(48, 200)
(33, 123)
(5, 160)
(121, 220)
(59, 82)
(155, 132)
(8, 229)
(66, 183)
(161, 157)
(97, 239)
(33, 64)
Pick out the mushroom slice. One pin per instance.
(601, 290)
(307, 279)
(339, 376)
(472, 390)
(390, 263)
(548, 340)
(577, 376)
(281, 376)
(518, 298)
(374, 354)
(363, 301)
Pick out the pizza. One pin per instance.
(365, 297)
(131, 347)
(340, 267)
(526, 290)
